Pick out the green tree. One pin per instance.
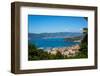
(59, 55)
(84, 45)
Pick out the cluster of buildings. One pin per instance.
(68, 51)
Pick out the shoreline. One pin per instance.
(66, 51)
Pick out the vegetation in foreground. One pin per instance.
(39, 54)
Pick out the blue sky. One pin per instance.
(51, 24)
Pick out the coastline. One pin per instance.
(65, 51)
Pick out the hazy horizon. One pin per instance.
(54, 32)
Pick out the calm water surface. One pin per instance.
(51, 42)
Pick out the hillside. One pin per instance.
(54, 35)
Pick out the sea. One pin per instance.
(51, 42)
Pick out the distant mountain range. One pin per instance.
(54, 35)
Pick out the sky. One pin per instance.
(52, 24)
